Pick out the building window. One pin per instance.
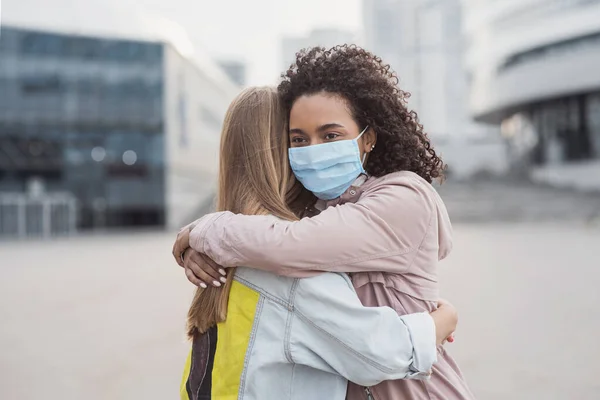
(593, 121)
(553, 49)
(563, 131)
(84, 48)
(42, 84)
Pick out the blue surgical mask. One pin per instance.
(328, 169)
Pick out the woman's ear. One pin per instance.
(370, 140)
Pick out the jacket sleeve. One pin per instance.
(332, 331)
(389, 222)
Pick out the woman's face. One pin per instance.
(323, 118)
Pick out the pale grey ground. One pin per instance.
(102, 317)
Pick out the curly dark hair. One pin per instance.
(371, 91)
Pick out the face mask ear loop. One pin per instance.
(362, 133)
(364, 158)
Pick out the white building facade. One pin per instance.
(534, 67)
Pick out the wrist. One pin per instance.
(191, 226)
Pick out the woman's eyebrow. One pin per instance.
(330, 125)
(321, 128)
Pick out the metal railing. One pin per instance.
(37, 216)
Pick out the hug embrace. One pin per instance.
(318, 274)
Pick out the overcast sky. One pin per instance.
(250, 30)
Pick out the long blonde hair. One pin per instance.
(254, 179)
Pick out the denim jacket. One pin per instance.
(297, 339)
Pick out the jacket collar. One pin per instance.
(351, 195)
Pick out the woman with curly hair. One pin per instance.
(365, 158)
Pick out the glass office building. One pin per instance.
(128, 127)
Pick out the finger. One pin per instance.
(216, 267)
(182, 242)
(178, 255)
(212, 269)
(194, 279)
(201, 269)
(182, 257)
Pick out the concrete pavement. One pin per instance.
(103, 317)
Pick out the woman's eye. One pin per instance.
(331, 136)
(297, 140)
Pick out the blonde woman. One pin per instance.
(262, 336)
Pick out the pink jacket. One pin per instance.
(389, 232)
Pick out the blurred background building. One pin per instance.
(290, 45)
(236, 70)
(424, 43)
(119, 122)
(533, 67)
(128, 128)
